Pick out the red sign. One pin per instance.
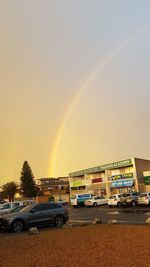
(97, 180)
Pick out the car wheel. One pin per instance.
(133, 204)
(59, 221)
(118, 204)
(110, 206)
(95, 204)
(17, 226)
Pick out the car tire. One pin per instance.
(118, 204)
(94, 204)
(133, 203)
(110, 206)
(59, 221)
(17, 226)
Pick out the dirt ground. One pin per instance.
(88, 246)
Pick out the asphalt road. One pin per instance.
(85, 215)
(125, 215)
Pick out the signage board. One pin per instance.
(125, 183)
(97, 180)
(147, 180)
(122, 176)
(76, 184)
(114, 165)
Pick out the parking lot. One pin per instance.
(124, 215)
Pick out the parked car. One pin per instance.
(130, 199)
(114, 200)
(15, 209)
(8, 206)
(144, 199)
(41, 214)
(79, 199)
(95, 201)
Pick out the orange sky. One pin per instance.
(48, 51)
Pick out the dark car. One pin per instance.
(41, 214)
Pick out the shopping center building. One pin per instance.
(117, 177)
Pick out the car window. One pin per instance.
(112, 197)
(15, 204)
(55, 206)
(42, 207)
(135, 194)
(6, 206)
(126, 195)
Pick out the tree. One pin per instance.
(27, 184)
(9, 190)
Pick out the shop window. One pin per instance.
(62, 187)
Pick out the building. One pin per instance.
(58, 187)
(117, 177)
(1, 193)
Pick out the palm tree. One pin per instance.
(9, 190)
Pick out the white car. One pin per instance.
(8, 206)
(95, 201)
(115, 200)
(144, 199)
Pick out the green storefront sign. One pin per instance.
(147, 180)
(114, 165)
(76, 183)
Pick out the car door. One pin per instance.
(42, 214)
(98, 200)
(37, 216)
(104, 200)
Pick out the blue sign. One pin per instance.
(125, 183)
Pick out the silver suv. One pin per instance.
(130, 199)
(41, 214)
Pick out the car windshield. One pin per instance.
(28, 208)
(6, 206)
(16, 209)
(73, 197)
(143, 195)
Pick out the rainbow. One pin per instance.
(84, 87)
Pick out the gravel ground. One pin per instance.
(89, 246)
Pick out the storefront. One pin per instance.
(112, 178)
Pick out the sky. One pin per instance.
(74, 84)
